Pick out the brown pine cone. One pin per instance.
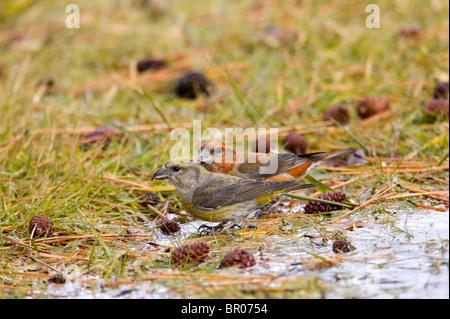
(57, 279)
(339, 113)
(342, 246)
(372, 105)
(295, 143)
(148, 197)
(318, 207)
(441, 90)
(410, 31)
(437, 108)
(169, 226)
(150, 64)
(238, 257)
(102, 136)
(42, 225)
(190, 252)
(191, 84)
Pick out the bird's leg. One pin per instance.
(273, 206)
(218, 229)
(209, 230)
(227, 227)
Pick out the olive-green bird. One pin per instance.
(216, 197)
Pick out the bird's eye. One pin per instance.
(176, 168)
(219, 151)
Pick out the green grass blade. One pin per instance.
(319, 185)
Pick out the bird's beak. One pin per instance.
(160, 174)
(204, 158)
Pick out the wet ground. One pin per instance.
(404, 254)
(416, 262)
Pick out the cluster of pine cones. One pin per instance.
(196, 252)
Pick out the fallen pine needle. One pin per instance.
(422, 192)
(84, 130)
(442, 193)
(17, 242)
(77, 237)
(440, 209)
(157, 188)
(47, 265)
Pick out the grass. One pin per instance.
(101, 231)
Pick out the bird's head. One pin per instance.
(217, 156)
(182, 172)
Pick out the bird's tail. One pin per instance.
(310, 161)
(321, 157)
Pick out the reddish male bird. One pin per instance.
(220, 158)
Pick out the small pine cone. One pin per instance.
(410, 31)
(372, 105)
(441, 90)
(342, 246)
(99, 136)
(42, 226)
(148, 197)
(102, 136)
(191, 84)
(150, 64)
(238, 257)
(318, 207)
(437, 108)
(57, 279)
(295, 143)
(169, 226)
(190, 252)
(339, 113)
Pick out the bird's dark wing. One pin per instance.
(218, 193)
